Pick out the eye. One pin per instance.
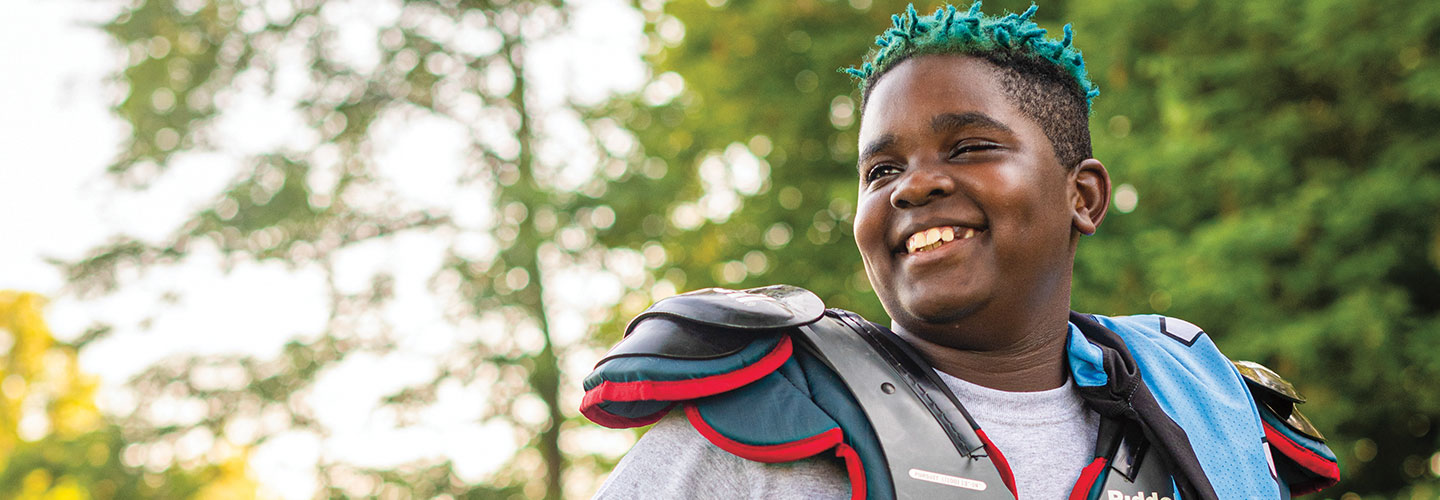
(972, 147)
(881, 170)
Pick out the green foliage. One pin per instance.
(1275, 166)
(55, 443)
(1282, 156)
(308, 199)
(167, 72)
(1288, 186)
(90, 466)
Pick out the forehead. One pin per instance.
(910, 94)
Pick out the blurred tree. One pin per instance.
(753, 131)
(538, 166)
(55, 443)
(1275, 170)
(1287, 181)
(1276, 183)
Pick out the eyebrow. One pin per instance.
(954, 121)
(874, 148)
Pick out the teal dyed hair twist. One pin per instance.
(949, 31)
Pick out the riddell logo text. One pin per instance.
(1115, 495)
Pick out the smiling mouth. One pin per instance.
(930, 239)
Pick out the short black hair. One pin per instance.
(1044, 78)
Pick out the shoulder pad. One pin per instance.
(1300, 458)
(1264, 379)
(695, 345)
(715, 322)
(764, 308)
(1277, 395)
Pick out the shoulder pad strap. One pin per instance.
(930, 445)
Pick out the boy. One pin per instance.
(975, 184)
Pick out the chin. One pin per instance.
(937, 309)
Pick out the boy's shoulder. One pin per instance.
(1217, 401)
(1174, 357)
(673, 460)
(1157, 341)
(1153, 327)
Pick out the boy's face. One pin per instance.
(943, 150)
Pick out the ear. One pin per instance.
(1089, 195)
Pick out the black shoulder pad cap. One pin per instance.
(764, 308)
(1277, 395)
(1265, 379)
(715, 322)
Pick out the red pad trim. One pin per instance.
(1088, 476)
(1000, 462)
(853, 469)
(1328, 471)
(775, 453)
(676, 390)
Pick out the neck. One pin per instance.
(1034, 362)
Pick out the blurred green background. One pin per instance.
(1276, 168)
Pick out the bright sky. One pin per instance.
(57, 137)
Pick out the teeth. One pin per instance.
(917, 241)
(932, 238)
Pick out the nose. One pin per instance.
(919, 186)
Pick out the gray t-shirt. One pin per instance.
(1046, 436)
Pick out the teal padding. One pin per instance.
(634, 409)
(654, 368)
(768, 412)
(829, 393)
(1087, 363)
(1310, 444)
(801, 399)
(1098, 487)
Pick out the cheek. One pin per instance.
(1022, 209)
(1034, 200)
(870, 213)
(867, 218)
(1039, 223)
